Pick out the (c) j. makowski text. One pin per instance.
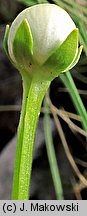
(51, 207)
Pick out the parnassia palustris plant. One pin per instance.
(42, 42)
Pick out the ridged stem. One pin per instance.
(33, 97)
(15, 185)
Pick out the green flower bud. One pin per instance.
(43, 41)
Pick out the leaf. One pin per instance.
(63, 56)
(51, 154)
(5, 42)
(32, 2)
(76, 99)
(23, 43)
(28, 2)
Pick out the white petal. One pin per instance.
(50, 25)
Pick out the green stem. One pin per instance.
(19, 146)
(26, 133)
(51, 155)
(69, 83)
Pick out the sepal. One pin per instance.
(64, 56)
(5, 42)
(23, 44)
(76, 59)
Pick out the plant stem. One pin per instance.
(51, 155)
(19, 146)
(33, 96)
(69, 83)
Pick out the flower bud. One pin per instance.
(43, 41)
